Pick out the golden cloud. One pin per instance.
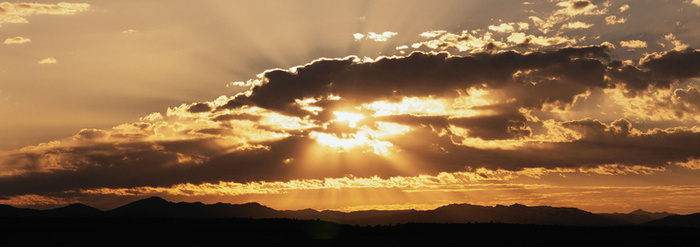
(48, 60)
(17, 40)
(16, 12)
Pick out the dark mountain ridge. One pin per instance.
(690, 220)
(637, 217)
(156, 207)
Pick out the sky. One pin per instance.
(352, 105)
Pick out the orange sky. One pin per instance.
(353, 105)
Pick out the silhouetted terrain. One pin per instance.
(454, 213)
(157, 221)
(636, 217)
(127, 231)
(691, 220)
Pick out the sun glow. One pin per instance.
(353, 141)
(412, 105)
(351, 118)
(367, 138)
(463, 105)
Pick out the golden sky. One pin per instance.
(352, 105)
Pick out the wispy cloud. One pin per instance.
(17, 12)
(378, 37)
(610, 20)
(633, 44)
(48, 60)
(577, 25)
(17, 40)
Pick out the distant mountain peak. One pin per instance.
(77, 205)
(454, 205)
(154, 199)
(643, 212)
(73, 210)
(640, 211)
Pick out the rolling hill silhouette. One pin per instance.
(636, 217)
(10, 211)
(691, 220)
(156, 207)
(155, 221)
(73, 210)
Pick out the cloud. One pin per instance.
(433, 34)
(678, 45)
(578, 5)
(416, 75)
(465, 42)
(199, 108)
(16, 12)
(17, 40)
(48, 60)
(503, 28)
(624, 8)
(378, 37)
(33, 200)
(520, 39)
(660, 69)
(567, 11)
(674, 64)
(661, 105)
(494, 127)
(610, 20)
(592, 143)
(576, 25)
(693, 164)
(92, 134)
(477, 178)
(686, 102)
(633, 44)
(119, 164)
(358, 36)
(594, 130)
(509, 27)
(427, 113)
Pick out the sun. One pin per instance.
(366, 137)
(351, 118)
(362, 141)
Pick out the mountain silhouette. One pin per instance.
(10, 211)
(159, 207)
(650, 214)
(73, 210)
(691, 220)
(636, 217)
(514, 214)
(156, 207)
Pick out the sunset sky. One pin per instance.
(352, 105)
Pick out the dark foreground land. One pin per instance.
(236, 232)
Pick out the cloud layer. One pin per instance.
(348, 113)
